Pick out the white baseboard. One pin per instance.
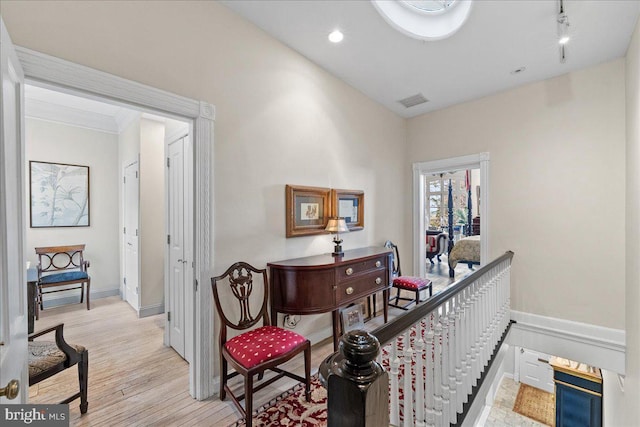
(150, 310)
(75, 299)
(592, 344)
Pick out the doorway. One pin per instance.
(422, 174)
(48, 71)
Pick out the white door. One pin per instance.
(13, 306)
(177, 261)
(535, 370)
(131, 218)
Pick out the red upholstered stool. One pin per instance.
(406, 283)
(413, 284)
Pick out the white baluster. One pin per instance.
(459, 354)
(484, 324)
(407, 387)
(394, 364)
(453, 392)
(429, 383)
(419, 373)
(473, 310)
(437, 369)
(469, 338)
(444, 321)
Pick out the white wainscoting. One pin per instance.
(595, 345)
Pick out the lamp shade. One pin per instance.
(337, 225)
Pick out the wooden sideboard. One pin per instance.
(324, 283)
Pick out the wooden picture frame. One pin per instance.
(307, 210)
(352, 318)
(59, 195)
(349, 204)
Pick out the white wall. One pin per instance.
(61, 143)
(152, 226)
(632, 231)
(280, 119)
(557, 187)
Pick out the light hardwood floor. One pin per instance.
(134, 380)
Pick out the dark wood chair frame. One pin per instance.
(58, 259)
(441, 245)
(396, 272)
(240, 279)
(73, 357)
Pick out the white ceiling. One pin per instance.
(55, 106)
(61, 107)
(498, 37)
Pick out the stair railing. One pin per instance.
(433, 357)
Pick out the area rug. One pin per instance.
(291, 408)
(536, 404)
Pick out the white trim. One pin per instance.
(73, 78)
(592, 344)
(472, 161)
(74, 299)
(151, 310)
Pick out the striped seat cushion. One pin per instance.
(262, 344)
(411, 283)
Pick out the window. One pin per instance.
(437, 213)
(425, 19)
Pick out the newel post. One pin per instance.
(357, 385)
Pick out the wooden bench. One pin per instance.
(60, 266)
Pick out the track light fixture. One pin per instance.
(563, 31)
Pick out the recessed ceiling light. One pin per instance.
(519, 70)
(336, 36)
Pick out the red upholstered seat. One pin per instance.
(262, 344)
(432, 243)
(411, 283)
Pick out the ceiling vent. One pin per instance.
(413, 100)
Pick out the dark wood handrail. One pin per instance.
(389, 331)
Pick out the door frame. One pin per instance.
(48, 71)
(420, 171)
(13, 332)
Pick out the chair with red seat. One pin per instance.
(258, 349)
(406, 283)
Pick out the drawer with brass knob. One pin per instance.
(360, 287)
(361, 268)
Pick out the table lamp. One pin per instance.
(337, 225)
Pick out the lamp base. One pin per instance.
(337, 250)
